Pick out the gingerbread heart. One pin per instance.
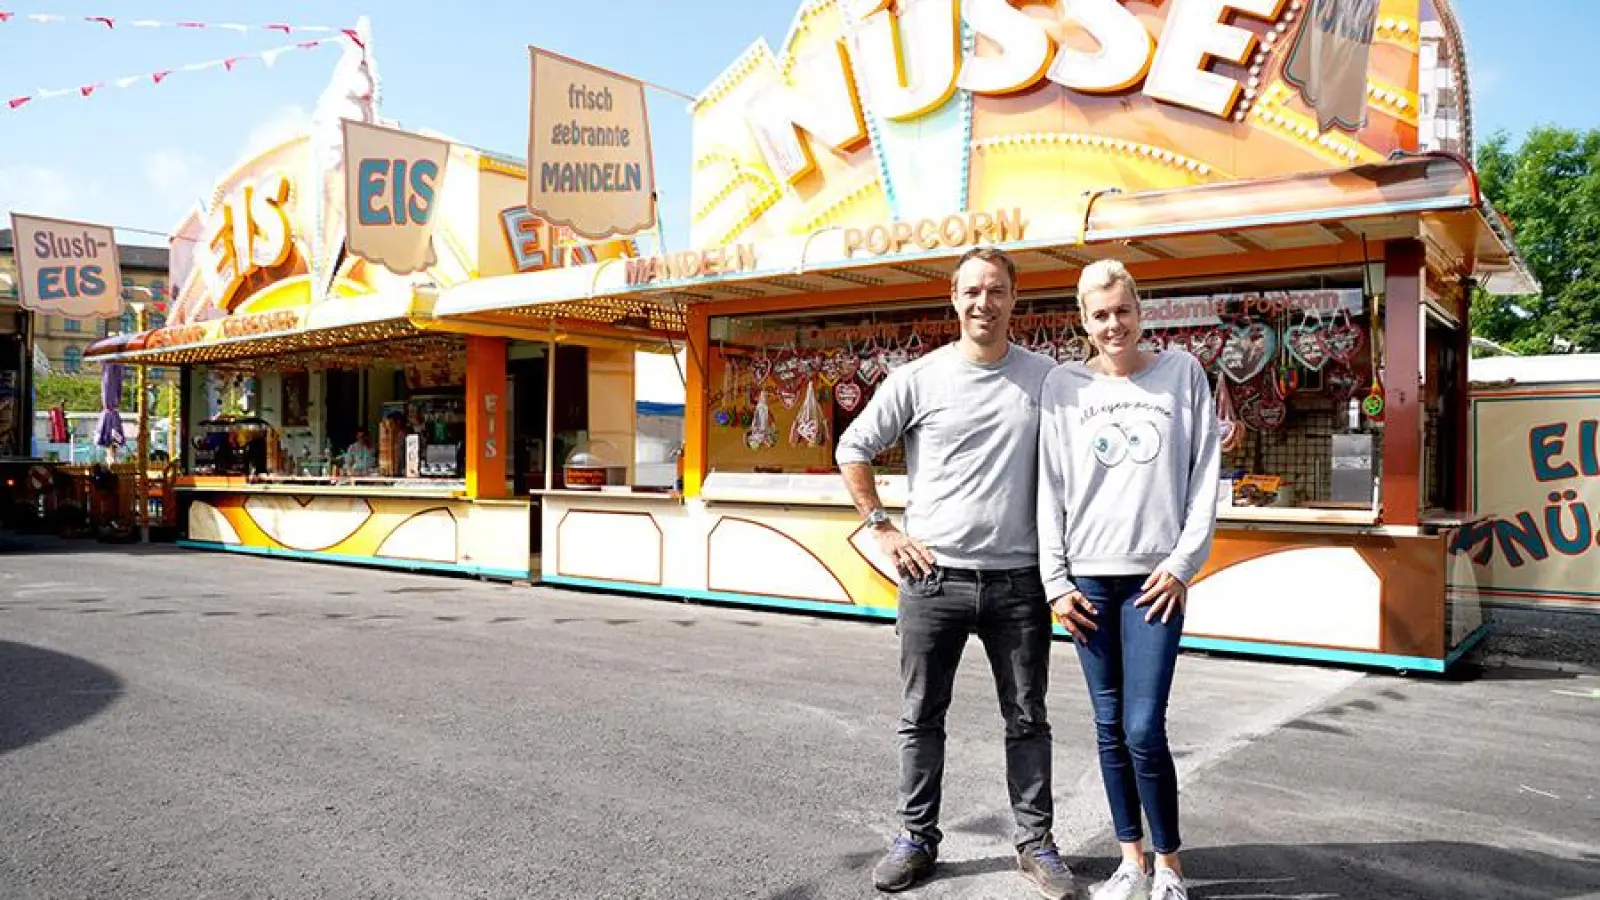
(789, 396)
(849, 365)
(1307, 346)
(1247, 351)
(871, 370)
(1272, 412)
(1341, 382)
(1343, 342)
(761, 370)
(1205, 345)
(790, 370)
(848, 395)
(1074, 350)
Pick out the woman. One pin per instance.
(1127, 506)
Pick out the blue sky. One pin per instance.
(138, 157)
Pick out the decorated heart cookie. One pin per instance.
(1247, 351)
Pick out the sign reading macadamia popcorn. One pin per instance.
(589, 165)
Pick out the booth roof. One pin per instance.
(360, 327)
(1432, 193)
(1569, 368)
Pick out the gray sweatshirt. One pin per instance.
(972, 437)
(1127, 472)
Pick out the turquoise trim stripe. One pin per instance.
(373, 561)
(1472, 640)
(1244, 648)
(1317, 654)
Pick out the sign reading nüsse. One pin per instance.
(589, 165)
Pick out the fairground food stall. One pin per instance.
(349, 424)
(1317, 272)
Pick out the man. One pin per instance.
(968, 561)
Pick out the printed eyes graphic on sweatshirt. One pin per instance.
(1125, 431)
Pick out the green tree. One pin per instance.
(1549, 190)
(81, 393)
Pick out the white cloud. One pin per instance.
(176, 172)
(282, 125)
(45, 191)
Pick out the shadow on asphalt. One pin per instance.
(50, 545)
(1419, 870)
(43, 693)
(1477, 672)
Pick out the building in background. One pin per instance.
(55, 345)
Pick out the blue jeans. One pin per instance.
(1009, 613)
(1128, 664)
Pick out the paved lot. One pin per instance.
(182, 725)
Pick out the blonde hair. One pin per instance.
(1103, 276)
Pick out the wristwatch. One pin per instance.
(877, 517)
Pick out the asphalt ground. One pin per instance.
(176, 724)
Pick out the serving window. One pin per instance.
(1291, 359)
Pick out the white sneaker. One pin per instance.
(1168, 886)
(1128, 882)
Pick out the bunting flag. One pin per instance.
(111, 23)
(227, 64)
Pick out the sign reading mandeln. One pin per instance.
(392, 184)
(67, 268)
(589, 164)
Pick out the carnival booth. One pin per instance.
(1281, 219)
(328, 413)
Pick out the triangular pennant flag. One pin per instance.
(307, 45)
(278, 26)
(353, 36)
(232, 26)
(130, 81)
(45, 17)
(16, 102)
(48, 94)
(191, 24)
(5, 16)
(145, 23)
(232, 61)
(88, 89)
(107, 21)
(200, 67)
(271, 56)
(158, 77)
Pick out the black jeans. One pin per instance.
(1009, 613)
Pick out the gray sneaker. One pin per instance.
(1047, 871)
(1168, 886)
(1128, 882)
(907, 862)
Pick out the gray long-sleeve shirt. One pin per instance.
(972, 436)
(1128, 472)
